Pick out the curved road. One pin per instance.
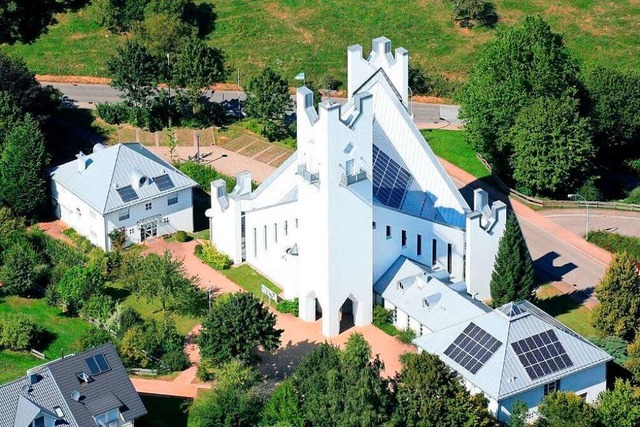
(622, 222)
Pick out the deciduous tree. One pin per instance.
(135, 72)
(512, 278)
(561, 409)
(268, 100)
(619, 406)
(619, 294)
(553, 149)
(236, 326)
(526, 61)
(23, 269)
(24, 21)
(77, 285)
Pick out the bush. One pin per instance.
(81, 242)
(204, 175)
(124, 319)
(174, 360)
(634, 196)
(55, 251)
(23, 269)
(289, 306)
(329, 82)
(114, 114)
(407, 336)
(590, 190)
(182, 236)
(381, 316)
(252, 125)
(198, 250)
(93, 337)
(214, 258)
(99, 307)
(615, 346)
(18, 332)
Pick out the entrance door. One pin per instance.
(148, 230)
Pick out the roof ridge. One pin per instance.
(504, 360)
(64, 400)
(113, 172)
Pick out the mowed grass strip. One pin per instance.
(64, 333)
(616, 243)
(451, 146)
(249, 279)
(311, 36)
(566, 310)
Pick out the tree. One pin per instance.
(77, 285)
(512, 278)
(23, 269)
(18, 332)
(235, 327)
(283, 407)
(525, 62)
(135, 72)
(23, 166)
(561, 409)
(428, 393)
(268, 100)
(119, 15)
(12, 229)
(25, 21)
(615, 102)
(619, 406)
(553, 150)
(482, 11)
(619, 294)
(633, 361)
(518, 416)
(21, 86)
(162, 34)
(10, 114)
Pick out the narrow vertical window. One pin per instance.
(404, 238)
(449, 257)
(350, 167)
(286, 228)
(388, 231)
(418, 245)
(255, 243)
(434, 251)
(275, 232)
(265, 237)
(296, 222)
(373, 225)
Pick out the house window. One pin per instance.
(418, 245)
(551, 387)
(449, 257)
(296, 222)
(421, 329)
(78, 212)
(388, 231)
(350, 167)
(38, 422)
(434, 251)
(265, 237)
(123, 215)
(583, 396)
(408, 322)
(404, 238)
(275, 233)
(165, 220)
(148, 206)
(394, 314)
(172, 200)
(132, 230)
(109, 419)
(286, 228)
(373, 225)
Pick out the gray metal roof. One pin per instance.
(408, 284)
(503, 375)
(57, 380)
(114, 168)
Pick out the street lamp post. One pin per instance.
(586, 203)
(169, 78)
(209, 295)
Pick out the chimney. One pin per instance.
(81, 162)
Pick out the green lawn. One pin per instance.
(64, 331)
(615, 242)
(300, 35)
(250, 280)
(152, 309)
(451, 146)
(566, 310)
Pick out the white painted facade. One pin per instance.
(157, 214)
(327, 224)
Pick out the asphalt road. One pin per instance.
(86, 96)
(621, 222)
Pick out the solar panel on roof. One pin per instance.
(541, 354)
(472, 348)
(102, 362)
(93, 366)
(163, 182)
(390, 180)
(127, 194)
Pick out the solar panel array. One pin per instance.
(473, 347)
(163, 182)
(97, 364)
(542, 354)
(390, 180)
(127, 194)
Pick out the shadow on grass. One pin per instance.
(558, 304)
(118, 294)
(45, 339)
(282, 363)
(164, 412)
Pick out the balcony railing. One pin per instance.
(353, 178)
(311, 178)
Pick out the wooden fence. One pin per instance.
(548, 204)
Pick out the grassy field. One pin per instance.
(311, 36)
(566, 310)
(64, 333)
(451, 146)
(615, 242)
(250, 280)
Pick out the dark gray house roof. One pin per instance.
(51, 389)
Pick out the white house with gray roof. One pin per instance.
(363, 190)
(90, 389)
(124, 186)
(518, 352)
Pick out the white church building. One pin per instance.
(362, 191)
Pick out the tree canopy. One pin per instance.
(268, 100)
(561, 409)
(620, 405)
(512, 278)
(619, 295)
(135, 72)
(235, 327)
(525, 62)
